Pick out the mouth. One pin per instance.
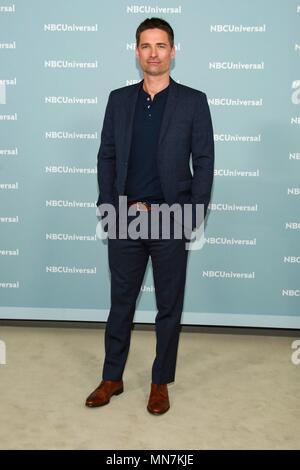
(155, 63)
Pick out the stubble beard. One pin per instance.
(155, 71)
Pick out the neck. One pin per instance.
(154, 84)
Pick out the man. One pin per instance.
(150, 130)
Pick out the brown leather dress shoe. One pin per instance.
(102, 394)
(159, 399)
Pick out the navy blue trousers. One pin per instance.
(128, 259)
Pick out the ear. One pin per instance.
(173, 52)
(137, 52)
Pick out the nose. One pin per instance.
(153, 52)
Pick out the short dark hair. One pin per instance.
(151, 23)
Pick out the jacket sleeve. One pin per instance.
(202, 149)
(106, 160)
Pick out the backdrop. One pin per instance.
(59, 61)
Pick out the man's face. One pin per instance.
(155, 52)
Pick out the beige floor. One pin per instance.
(232, 391)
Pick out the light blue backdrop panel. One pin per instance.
(59, 61)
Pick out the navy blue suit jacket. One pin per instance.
(186, 131)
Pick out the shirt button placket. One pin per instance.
(149, 106)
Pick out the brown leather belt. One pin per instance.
(140, 205)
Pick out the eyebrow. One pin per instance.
(158, 43)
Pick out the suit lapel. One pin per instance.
(129, 116)
(169, 110)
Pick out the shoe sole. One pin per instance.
(158, 414)
(118, 392)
